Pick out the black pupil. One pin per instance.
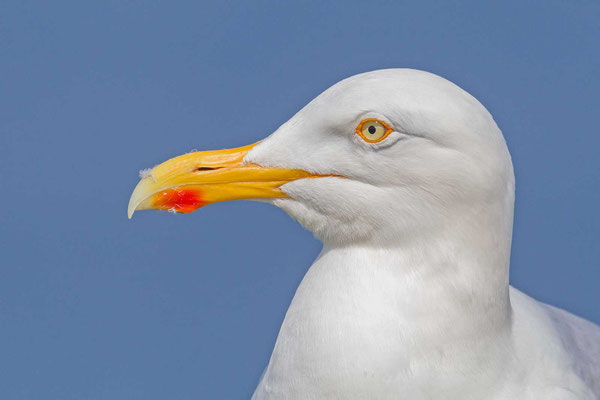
(372, 129)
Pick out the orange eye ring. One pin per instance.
(373, 130)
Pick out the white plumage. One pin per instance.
(409, 298)
(408, 182)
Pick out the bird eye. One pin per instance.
(373, 130)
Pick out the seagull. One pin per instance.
(409, 184)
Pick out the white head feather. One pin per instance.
(446, 159)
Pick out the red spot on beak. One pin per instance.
(179, 200)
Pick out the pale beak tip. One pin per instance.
(131, 209)
(140, 193)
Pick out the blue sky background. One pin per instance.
(94, 306)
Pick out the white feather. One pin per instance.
(409, 298)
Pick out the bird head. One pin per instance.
(379, 157)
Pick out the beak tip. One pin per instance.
(140, 193)
(130, 211)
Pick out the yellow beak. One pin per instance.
(185, 183)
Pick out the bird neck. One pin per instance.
(449, 278)
(364, 315)
(439, 287)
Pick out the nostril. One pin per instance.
(206, 168)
